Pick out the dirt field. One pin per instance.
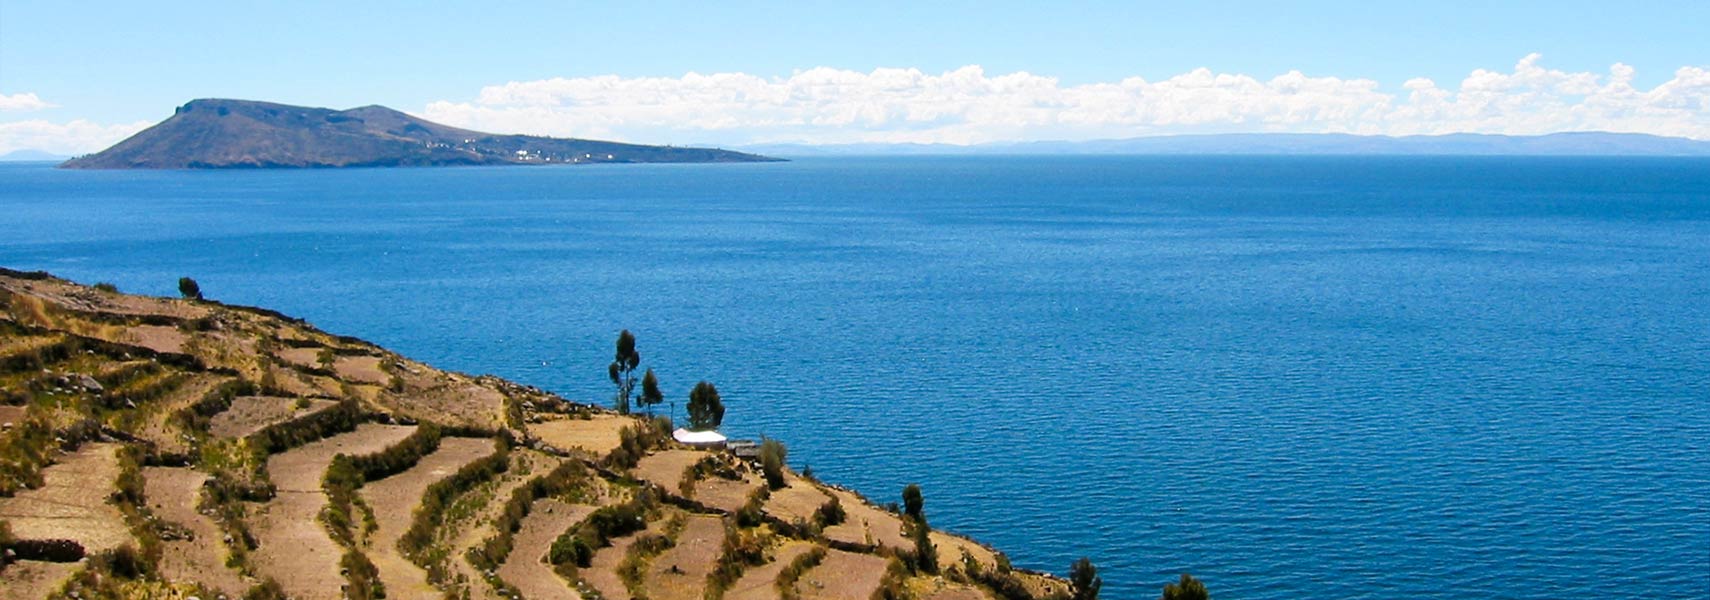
(867, 524)
(295, 548)
(249, 414)
(161, 428)
(172, 494)
(364, 369)
(525, 465)
(843, 576)
(942, 590)
(798, 500)
(31, 579)
(158, 338)
(950, 549)
(526, 567)
(72, 504)
(665, 469)
(302, 357)
(602, 571)
(759, 583)
(597, 436)
(395, 500)
(680, 573)
(724, 494)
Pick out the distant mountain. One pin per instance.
(216, 134)
(30, 155)
(1555, 144)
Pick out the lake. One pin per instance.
(1291, 376)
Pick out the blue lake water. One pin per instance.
(1292, 377)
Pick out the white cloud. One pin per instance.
(826, 105)
(22, 102)
(71, 138)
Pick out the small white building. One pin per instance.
(699, 439)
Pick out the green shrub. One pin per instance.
(772, 457)
(786, 581)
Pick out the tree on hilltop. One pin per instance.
(650, 394)
(188, 288)
(622, 370)
(706, 410)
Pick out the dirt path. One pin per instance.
(173, 493)
(843, 576)
(295, 547)
(72, 502)
(526, 567)
(395, 500)
(680, 572)
(760, 583)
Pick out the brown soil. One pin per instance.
(798, 500)
(395, 500)
(72, 504)
(867, 524)
(249, 414)
(950, 548)
(526, 566)
(79, 298)
(31, 579)
(942, 590)
(843, 576)
(680, 572)
(161, 427)
(158, 338)
(364, 369)
(597, 436)
(665, 469)
(12, 415)
(760, 583)
(295, 547)
(302, 357)
(724, 494)
(601, 573)
(525, 465)
(173, 493)
(463, 403)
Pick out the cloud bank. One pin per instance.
(968, 106)
(21, 102)
(68, 139)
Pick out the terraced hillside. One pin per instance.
(165, 448)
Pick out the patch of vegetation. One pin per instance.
(417, 543)
(772, 456)
(786, 581)
(344, 476)
(1188, 588)
(753, 512)
(578, 545)
(742, 548)
(189, 289)
(635, 441)
(636, 559)
(107, 287)
(493, 551)
(706, 410)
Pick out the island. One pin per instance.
(182, 447)
(238, 134)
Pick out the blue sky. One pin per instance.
(119, 63)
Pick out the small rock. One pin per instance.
(90, 384)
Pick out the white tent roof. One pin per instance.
(698, 437)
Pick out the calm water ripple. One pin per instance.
(1369, 377)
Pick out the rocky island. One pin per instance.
(227, 134)
(176, 448)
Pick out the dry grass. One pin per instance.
(395, 499)
(725, 494)
(680, 573)
(867, 524)
(665, 469)
(72, 503)
(173, 493)
(295, 548)
(843, 576)
(31, 579)
(249, 414)
(525, 465)
(796, 501)
(759, 583)
(525, 567)
(158, 338)
(363, 369)
(597, 436)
